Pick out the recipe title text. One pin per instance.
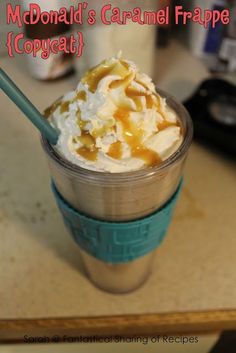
(82, 14)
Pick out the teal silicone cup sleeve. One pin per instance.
(117, 242)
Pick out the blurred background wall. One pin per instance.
(3, 26)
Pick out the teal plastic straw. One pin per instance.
(32, 113)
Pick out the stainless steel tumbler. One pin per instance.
(121, 197)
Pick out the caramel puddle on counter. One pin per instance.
(133, 137)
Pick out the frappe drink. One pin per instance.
(119, 157)
(115, 121)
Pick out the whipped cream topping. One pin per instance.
(115, 121)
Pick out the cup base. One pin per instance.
(120, 278)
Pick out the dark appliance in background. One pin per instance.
(213, 110)
(164, 31)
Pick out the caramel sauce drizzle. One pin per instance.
(134, 94)
(95, 75)
(81, 95)
(65, 107)
(132, 134)
(122, 82)
(115, 150)
(125, 64)
(82, 124)
(149, 101)
(141, 84)
(89, 150)
(150, 98)
(164, 125)
(50, 110)
(99, 132)
(86, 153)
(133, 137)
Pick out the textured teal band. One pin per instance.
(117, 242)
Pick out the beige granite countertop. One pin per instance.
(41, 274)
